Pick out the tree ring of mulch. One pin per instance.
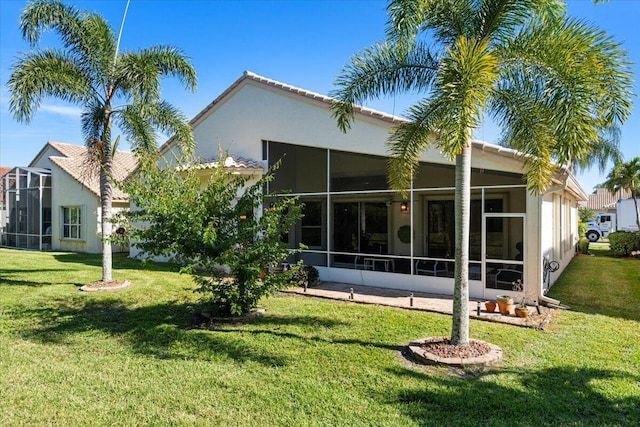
(440, 351)
(100, 285)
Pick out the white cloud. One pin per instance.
(62, 110)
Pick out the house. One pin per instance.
(603, 200)
(54, 203)
(359, 231)
(3, 171)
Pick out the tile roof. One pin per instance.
(74, 162)
(603, 199)
(565, 174)
(248, 75)
(234, 164)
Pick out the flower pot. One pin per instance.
(522, 312)
(490, 306)
(505, 304)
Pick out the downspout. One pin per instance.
(541, 296)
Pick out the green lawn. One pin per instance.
(132, 358)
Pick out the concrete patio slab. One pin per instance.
(419, 301)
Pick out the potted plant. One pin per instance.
(505, 304)
(490, 306)
(521, 309)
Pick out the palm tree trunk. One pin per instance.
(106, 196)
(635, 202)
(460, 324)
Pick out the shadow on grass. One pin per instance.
(121, 261)
(552, 396)
(315, 338)
(163, 331)
(5, 277)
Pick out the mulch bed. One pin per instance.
(100, 285)
(440, 351)
(444, 349)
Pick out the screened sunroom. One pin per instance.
(353, 221)
(27, 208)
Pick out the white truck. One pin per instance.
(624, 219)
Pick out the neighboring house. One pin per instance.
(359, 231)
(3, 171)
(602, 200)
(54, 203)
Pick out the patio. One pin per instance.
(419, 301)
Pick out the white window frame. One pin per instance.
(78, 224)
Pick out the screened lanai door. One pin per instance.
(504, 251)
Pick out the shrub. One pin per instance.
(223, 231)
(307, 274)
(623, 243)
(583, 245)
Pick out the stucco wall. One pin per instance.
(558, 230)
(66, 191)
(252, 113)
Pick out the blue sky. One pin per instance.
(303, 43)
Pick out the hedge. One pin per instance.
(623, 243)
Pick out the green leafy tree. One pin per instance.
(556, 86)
(225, 231)
(585, 214)
(110, 86)
(626, 176)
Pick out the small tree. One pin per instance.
(111, 87)
(221, 230)
(626, 176)
(584, 215)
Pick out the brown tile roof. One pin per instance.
(603, 199)
(74, 162)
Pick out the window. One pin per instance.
(361, 227)
(72, 222)
(311, 225)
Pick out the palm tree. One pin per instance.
(626, 176)
(110, 86)
(556, 86)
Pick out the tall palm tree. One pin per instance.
(110, 86)
(556, 86)
(626, 176)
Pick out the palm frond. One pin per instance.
(381, 70)
(569, 83)
(445, 19)
(406, 144)
(86, 37)
(466, 79)
(140, 122)
(138, 73)
(499, 19)
(92, 120)
(45, 73)
(624, 176)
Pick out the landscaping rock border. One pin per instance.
(492, 357)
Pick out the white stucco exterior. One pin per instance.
(256, 110)
(71, 186)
